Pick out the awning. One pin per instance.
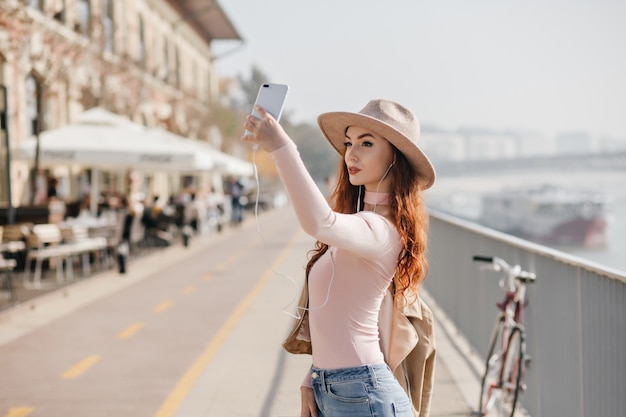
(206, 18)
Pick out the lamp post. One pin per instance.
(4, 128)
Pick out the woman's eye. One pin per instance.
(347, 144)
(367, 144)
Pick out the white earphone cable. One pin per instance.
(294, 299)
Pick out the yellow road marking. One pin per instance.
(129, 331)
(188, 290)
(159, 308)
(185, 384)
(241, 252)
(19, 412)
(78, 369)
(232, 258)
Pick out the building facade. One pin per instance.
(150, 60)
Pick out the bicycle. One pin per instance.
(506, 363)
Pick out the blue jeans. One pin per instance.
(363, 391)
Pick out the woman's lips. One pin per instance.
(353, 170)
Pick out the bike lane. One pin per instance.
(121, 353)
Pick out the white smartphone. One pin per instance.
(272, 98)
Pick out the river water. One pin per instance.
(461, 196)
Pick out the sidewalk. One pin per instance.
(249, 374)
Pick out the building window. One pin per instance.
(33, 105)
(108, 25)
(36, 4)
(3, 104)
(123, 46)
(166, 59)
(84, 16)
(2, 64)
(4, 195)
(194, 73)
(59, 12)
(142, 42)
(177, 67)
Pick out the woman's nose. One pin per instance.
(351, 155)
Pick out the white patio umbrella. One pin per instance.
(203, 159)
(229, 164)
(206, 157)
(105, 140)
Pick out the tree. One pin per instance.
(250, 87)
(317, 154)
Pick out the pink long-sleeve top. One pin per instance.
(347, 284)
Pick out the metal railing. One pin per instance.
(575, 319)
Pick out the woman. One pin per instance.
(374, 238)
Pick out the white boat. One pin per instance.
(549, 215)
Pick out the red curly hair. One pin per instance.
(408, 214)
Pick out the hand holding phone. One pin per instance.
(271, 97)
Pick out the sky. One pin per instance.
(547, 66)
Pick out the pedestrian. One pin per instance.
(235, 189)
(192, 213)
(56, 206)
(215, 209)
(126, 217)
(370, 244)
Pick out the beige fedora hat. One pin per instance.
(391, 120)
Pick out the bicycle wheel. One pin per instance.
(490, 384)
(513, 370)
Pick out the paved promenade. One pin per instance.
(241, 369)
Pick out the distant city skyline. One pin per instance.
(476, 144)
(551, 67)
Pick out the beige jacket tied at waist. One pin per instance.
(407, 341)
